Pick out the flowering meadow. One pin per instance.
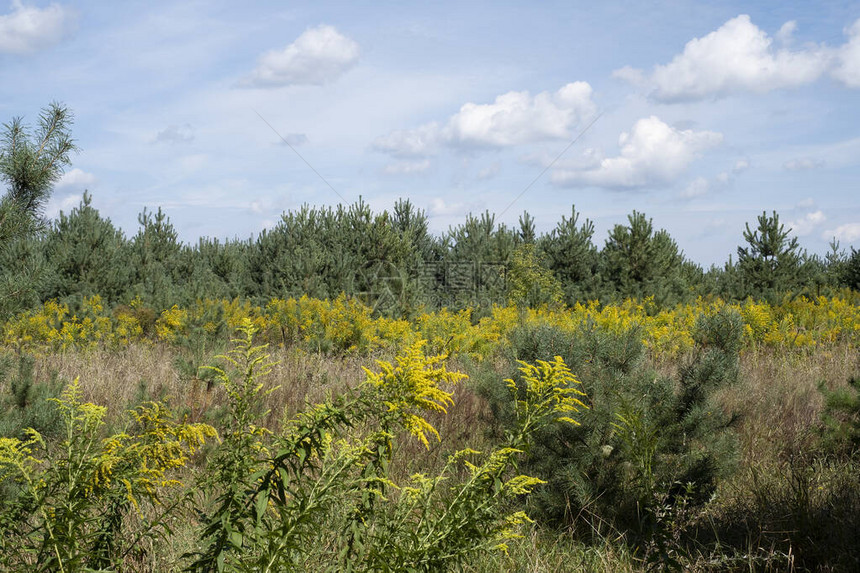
(345, 326)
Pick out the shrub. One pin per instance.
(841, 418)
(646, 443)
(25, 404)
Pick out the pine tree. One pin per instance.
(479, 251)
(87, 255)
(527, 233)
(850, 271)
(770, 264)
(640, 262)
(30, 164)
(156, 260)
(572, 257)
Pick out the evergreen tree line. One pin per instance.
(390, 260)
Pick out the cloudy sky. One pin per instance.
(699, 114)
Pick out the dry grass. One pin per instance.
(117, 379)
(120, 379)
(778, 400)
(545, 552)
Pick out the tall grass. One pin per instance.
(790, 506)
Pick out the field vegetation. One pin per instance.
(348, 392)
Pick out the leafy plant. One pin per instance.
(89, 501)
(329, 469)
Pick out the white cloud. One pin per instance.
(27, 28)
(318, 56)
(701, 186)
(806, 203)
(176, 134)
(738, 56)
(514, 118)
(652, 153)
(407, 167)
(807, 224)
(440, 208)
(847, 68)
(696, 188)
(847, 233)
(517, 117)
(631, 75)
(419, 142)
(785, 32)
(66, 204)
(803, 164)
(75, 178)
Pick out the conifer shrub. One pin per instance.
(24, 402)
(647, 446)
(841, 419)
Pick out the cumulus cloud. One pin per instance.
(738, 56)
(517, 117)
(513, 118)
(807, 224)
(785, 32)
(75, 178)
(62, 204)
(28, 29)
(803, 164)
(407, 167)
(631, 75)
(176, 134)
(318, 56)
(847, 68)
(847, 233)
(651, 153)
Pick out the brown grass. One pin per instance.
(777, 398)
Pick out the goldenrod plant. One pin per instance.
(344, 326)
(329, 470)
(89, 501)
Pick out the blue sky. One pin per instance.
(702, 114)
